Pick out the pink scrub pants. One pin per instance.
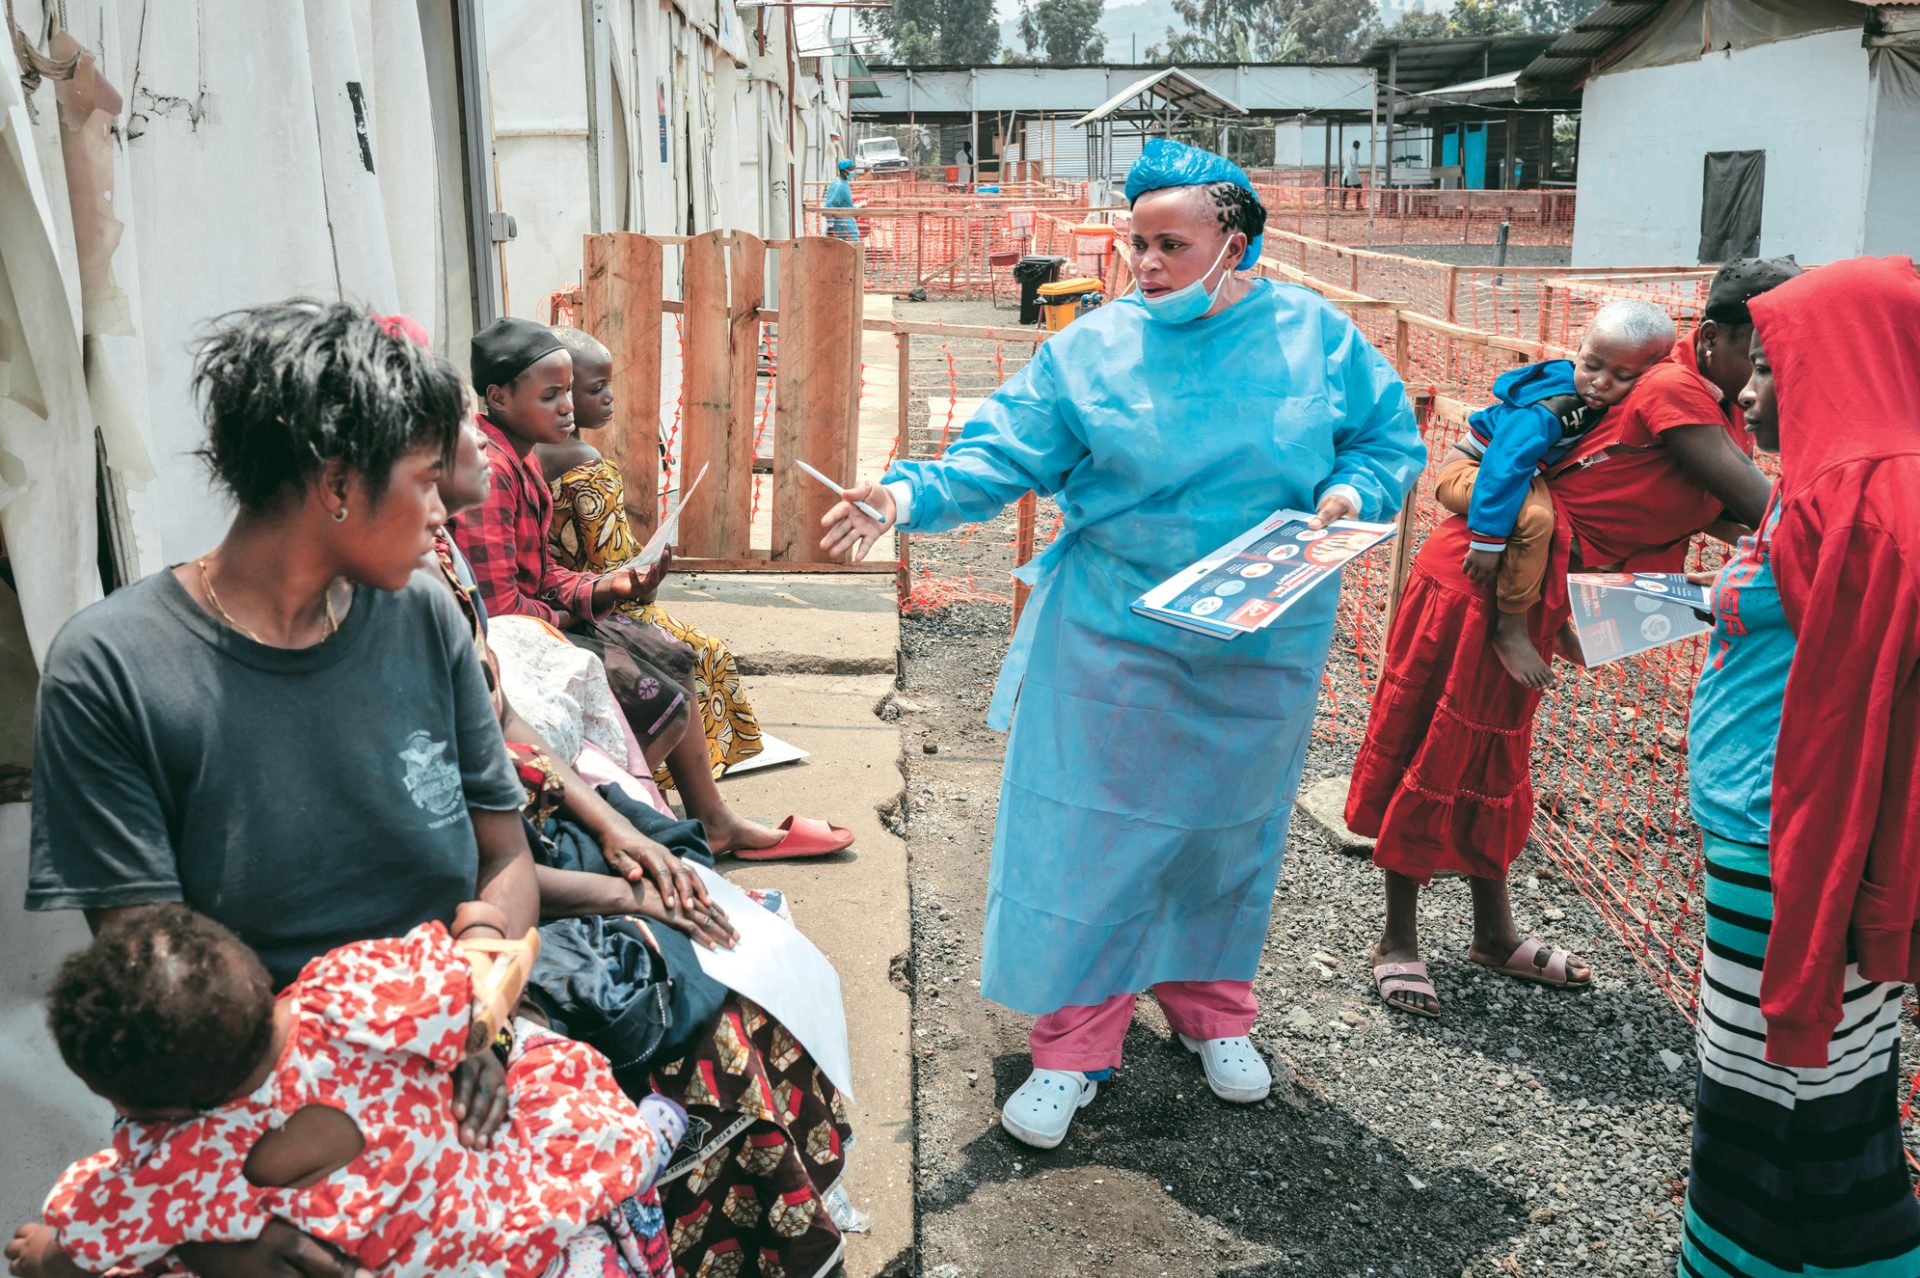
(1089, 1038)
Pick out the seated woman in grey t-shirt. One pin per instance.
(292, 733)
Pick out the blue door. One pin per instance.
(1474, 178)
(1450, 146)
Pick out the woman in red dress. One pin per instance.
(1441, 780)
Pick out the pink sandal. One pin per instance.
(1525, 964)
(806, 837)
(1405, 978)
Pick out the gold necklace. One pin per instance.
(206, 584)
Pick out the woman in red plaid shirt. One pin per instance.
(524, 376)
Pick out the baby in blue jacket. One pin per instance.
(1496, 475)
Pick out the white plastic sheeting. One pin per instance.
(252, 161)
(48, 413)
(268, 160)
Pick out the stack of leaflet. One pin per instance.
(1244, 585)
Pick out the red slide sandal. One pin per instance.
(806, 837)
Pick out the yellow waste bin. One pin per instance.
(1063, 300)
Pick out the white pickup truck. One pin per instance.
(879, 155)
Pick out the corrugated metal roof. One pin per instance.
(1418, 67)
(1173, 86)
(1570, 55)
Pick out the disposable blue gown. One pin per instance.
(1151, 771)
(840, 196)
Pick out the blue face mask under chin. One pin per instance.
(1184, 305)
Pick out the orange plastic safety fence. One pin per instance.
(1383, 215)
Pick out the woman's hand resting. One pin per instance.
(706, 923)
(637, 859)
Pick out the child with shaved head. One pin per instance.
(1496, 475)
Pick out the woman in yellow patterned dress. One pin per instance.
(589, 533)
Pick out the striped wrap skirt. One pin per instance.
(1795, 1171)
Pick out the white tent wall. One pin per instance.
(735, 151)
(453, 302)
(1893, 176)
(254, 174)
(1644, 135)
(47, 451)
(537, 83)
(253, 160)
(656, 146)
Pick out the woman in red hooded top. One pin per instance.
(1843, 344)
(1804, 774)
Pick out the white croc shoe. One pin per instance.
(1235, 1070)
(1042, 1110)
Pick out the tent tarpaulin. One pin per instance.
(1732, 191)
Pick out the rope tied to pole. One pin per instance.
(36, 66)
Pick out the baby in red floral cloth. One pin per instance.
(331, 1107)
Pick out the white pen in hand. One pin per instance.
(841, 493)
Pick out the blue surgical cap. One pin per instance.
(845, 165)
(1165, 163)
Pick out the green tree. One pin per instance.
(1265, 31)
(1550, 17)
(1420, 24)
(1333, 30)
(914, 47)
(1485, 18)
(1062, 32)
(1227, 31)
(937, 32)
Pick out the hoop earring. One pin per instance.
(340, 515)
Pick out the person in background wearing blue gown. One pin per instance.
(1151, 771)
(840, 196)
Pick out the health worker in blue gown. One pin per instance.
(1151, 771)
(840, 196)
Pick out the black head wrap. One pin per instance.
(506, 348)
(1742, 280)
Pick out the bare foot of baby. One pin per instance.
(1514, 646)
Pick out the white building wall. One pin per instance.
(1644, 136)
(1301, 144)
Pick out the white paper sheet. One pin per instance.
(785, 973)
(669, 529)
(774, 751)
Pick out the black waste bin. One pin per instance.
(1032, 272)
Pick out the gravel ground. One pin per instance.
(1482, 254)
(1529, 1131)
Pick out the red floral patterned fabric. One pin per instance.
(379, 1029)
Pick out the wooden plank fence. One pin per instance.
(816, 384)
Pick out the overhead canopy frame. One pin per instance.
(1155, 104)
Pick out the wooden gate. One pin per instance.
(816, 385)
